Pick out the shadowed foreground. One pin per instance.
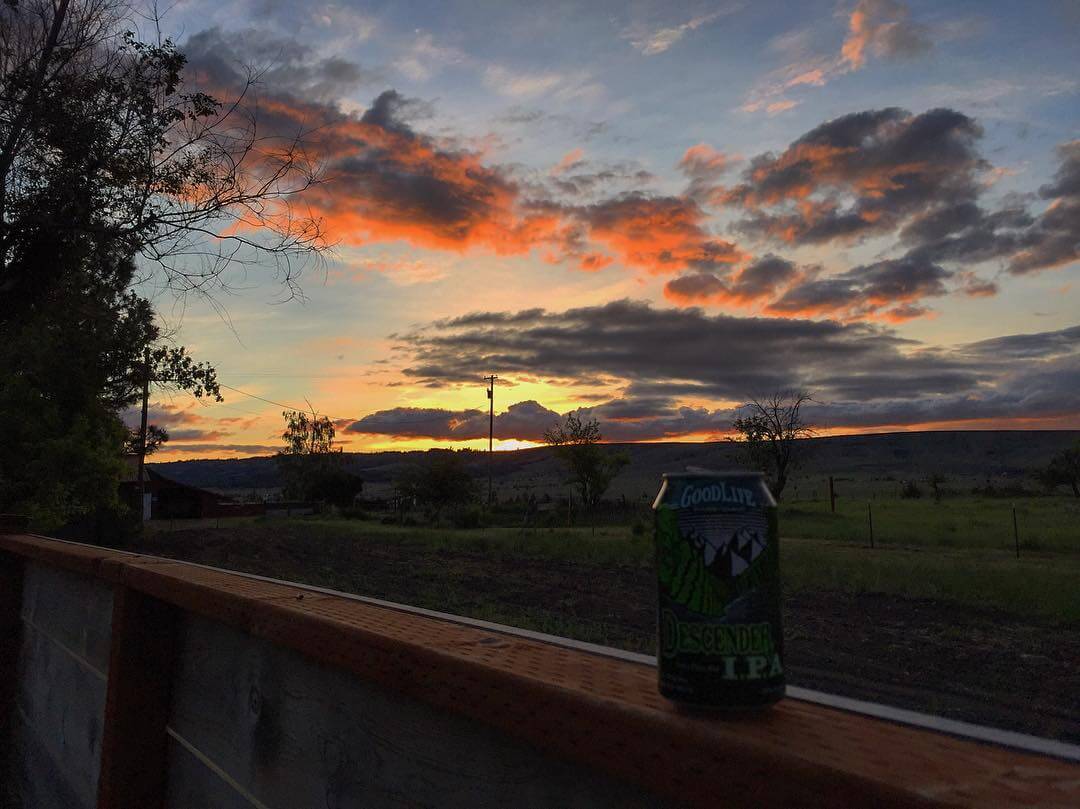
(963, 662)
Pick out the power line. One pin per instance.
(282, 404)
(262, 399)
(275, 375)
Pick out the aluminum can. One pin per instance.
(720, 640)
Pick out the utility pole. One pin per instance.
(142, 434)
(491, 430)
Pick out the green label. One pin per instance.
(682, 570)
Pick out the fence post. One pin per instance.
(1016, 532)
(832, 496)
(870, 519)
(134, 744)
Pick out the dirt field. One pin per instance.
(960, 662)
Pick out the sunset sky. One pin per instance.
(651, 211)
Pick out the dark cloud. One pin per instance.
(697, 287)
(890, 287)
(1047, 391)
(967, 234)
(758, 280)
(860, 174)
(917, 178)
(411, 422)
(197, 435)
(888, 172)
(716, 356)
(524, 420)
(1054, 237)
(1040, 345)
(164, 415)
(621, 420)
(659, 358)
(282, 64)
(394, 112)
(764, 276)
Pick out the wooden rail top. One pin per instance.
(596, 710)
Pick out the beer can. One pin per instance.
(720, 643)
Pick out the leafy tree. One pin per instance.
(113, 173)
(307, 434)
(155, 438)
(439, 482)
(576, 442)
(105, 154)
(69, 371)
(310, 465)
(771, 433)
(936, 482)
(1063, 470)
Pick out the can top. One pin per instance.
(674, 481)
(697, 472)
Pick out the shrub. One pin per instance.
(466, 518)
(910, 490)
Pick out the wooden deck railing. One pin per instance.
(134, 681)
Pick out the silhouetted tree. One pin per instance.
(771, 434)
(1063, 470)
(591, 468)
(69, 370)
(105, 155)
(311, 467)
(438, 482)
(113, 172)
(936, 481)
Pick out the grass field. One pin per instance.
(959, 551)
(1050, 524)
(1041, 587)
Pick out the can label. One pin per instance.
(720, 642)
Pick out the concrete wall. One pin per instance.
(254, 724)
(257, 725)
(133, 682)
(60, 693)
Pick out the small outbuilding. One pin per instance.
(168, 499)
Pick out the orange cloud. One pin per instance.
(702, 157)
(859, 33)
(594, 262)
(569, 161)
(884, 27)
(658, 234)
(384, 181)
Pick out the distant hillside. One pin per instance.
(874, 461)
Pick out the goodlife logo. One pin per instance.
(717, 493)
